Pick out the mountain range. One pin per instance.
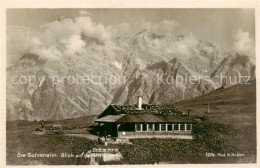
(150, 64)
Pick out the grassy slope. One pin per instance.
(20, 139)
(235, 105)
(230, 127)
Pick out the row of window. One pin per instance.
(156, 127)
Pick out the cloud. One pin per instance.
(165, 27)
(93, 30)
(182, 47)
(243, 43)
(68, 37)
(120, 30)
(84, 13)
(75, 44)
(82, 35)
(144, 25)
(17, 41)
(161, 28)
(71, 36)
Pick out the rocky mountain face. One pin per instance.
(236, 68)
(156, 67)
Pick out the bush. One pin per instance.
(39, 129)
(58, 132)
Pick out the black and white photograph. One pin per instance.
(130, 86)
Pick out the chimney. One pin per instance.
(139, 102)
(189, 112)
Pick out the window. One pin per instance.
(144, 127)
(169, 127)
(182, 128)
(163, 127)
(150, 127)
(188, 126)
(138, 127)
(156, 127)
(176, 127)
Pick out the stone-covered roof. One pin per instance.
(147, 108)
(148, 113)
(110, 118)
(145, 118)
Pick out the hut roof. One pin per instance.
(110, 118)
(145, 117)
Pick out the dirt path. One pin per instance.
(87, 136)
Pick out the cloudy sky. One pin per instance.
(232, 29)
